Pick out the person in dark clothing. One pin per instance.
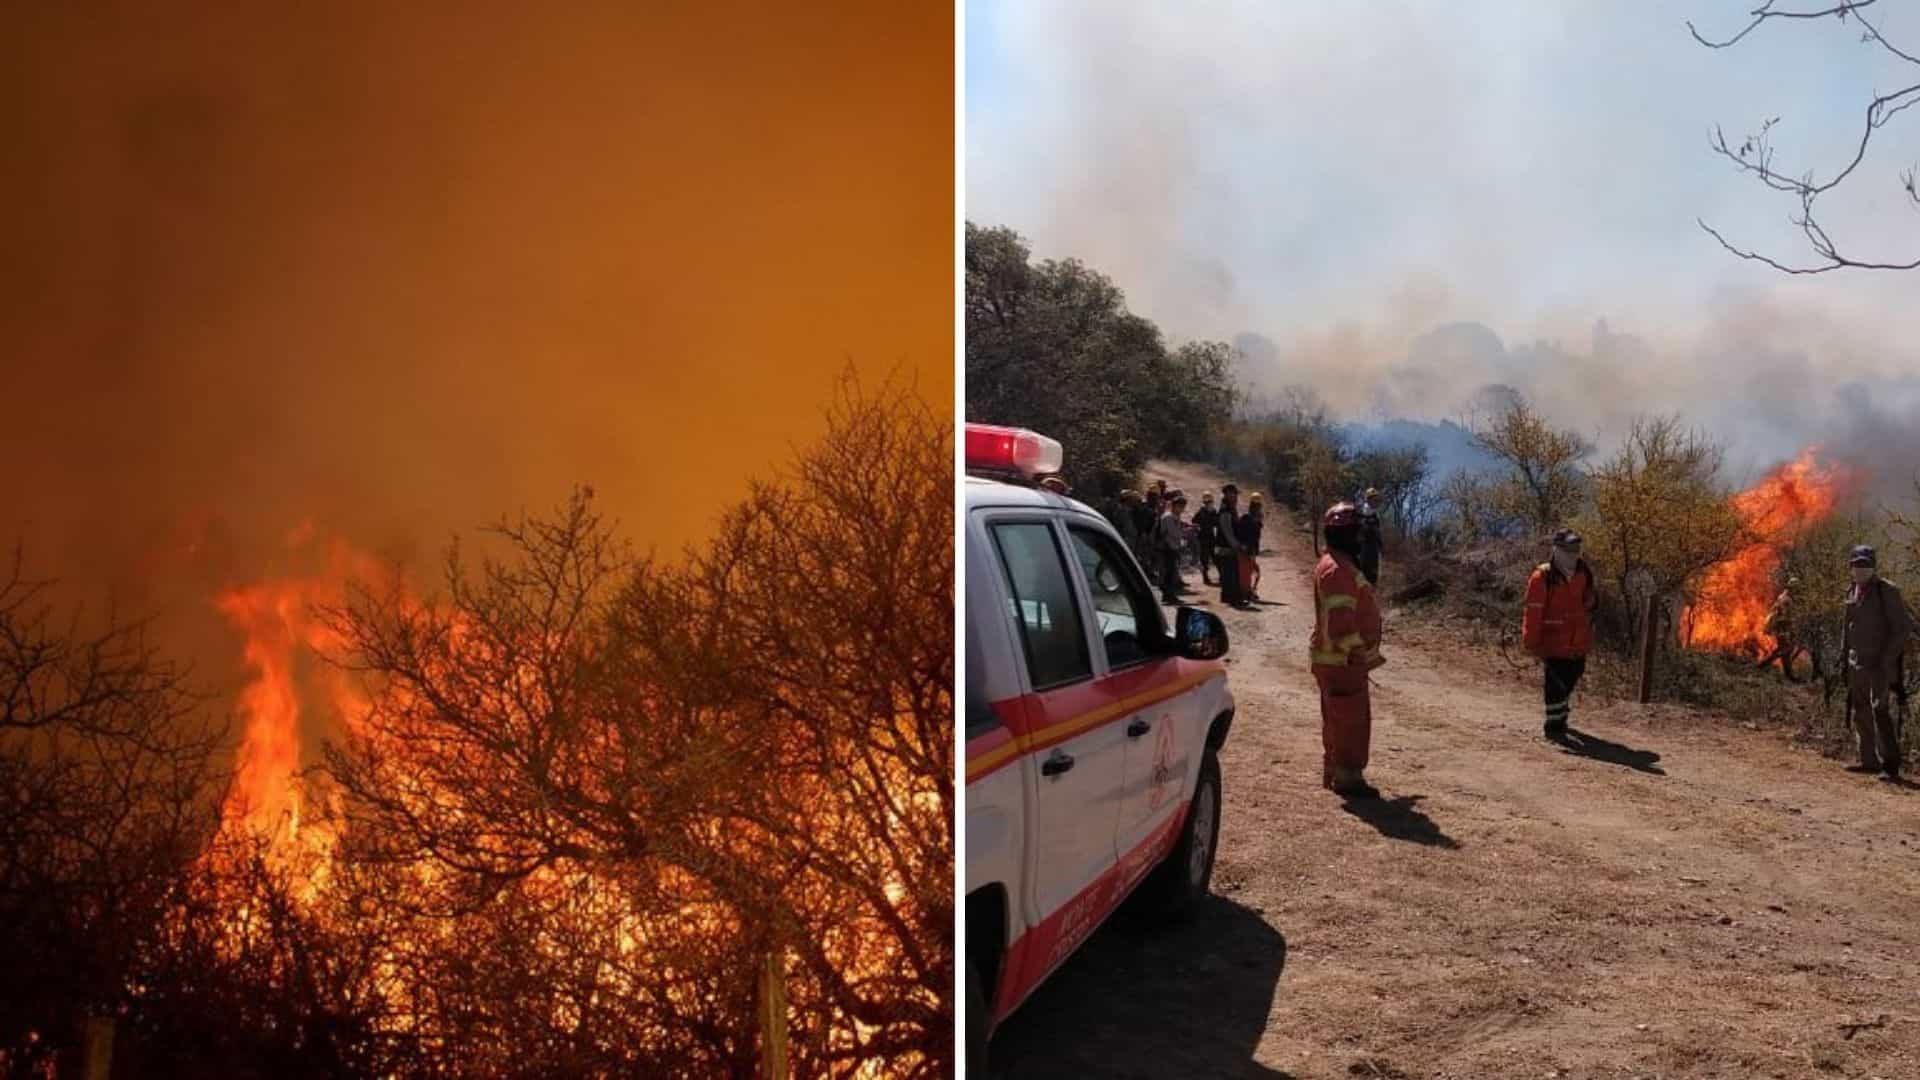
(1873, 642)
(1206, 521)
(1226, 550)
(1247, 533)
(1125, 518)
(1168, 538)
(1370, 537)
(1146, 518)
(1779, 626)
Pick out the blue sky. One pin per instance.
(1341, 179)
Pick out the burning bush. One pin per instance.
(1737, 592)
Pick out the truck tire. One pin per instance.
(976, 1026)
(1175, 888)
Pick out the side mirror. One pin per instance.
(1199, 635)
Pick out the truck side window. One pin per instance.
(1043, 605)
(1121, 600)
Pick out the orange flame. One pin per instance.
(294, 693)
(1737, 595)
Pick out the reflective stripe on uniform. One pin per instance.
(1335, 601)
(1334, 658)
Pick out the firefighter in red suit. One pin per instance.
(1346, 646)
(1557, 625)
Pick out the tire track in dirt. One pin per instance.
(1508, 909)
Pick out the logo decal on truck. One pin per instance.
(1163, 779)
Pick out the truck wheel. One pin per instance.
(1179, 883)
(976, 1026)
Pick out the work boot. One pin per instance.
(1555, 730)
(1359, 789)
(1863, 768)
(1350, 784)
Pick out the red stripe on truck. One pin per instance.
(1037, 721)
(1034, 955)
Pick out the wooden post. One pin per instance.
(773, 1019)
(1646, 651)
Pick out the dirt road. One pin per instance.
(1680, 898)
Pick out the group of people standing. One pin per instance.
(1223, 539)
(1556, 629)
(1556, 623)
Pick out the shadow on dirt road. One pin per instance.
(1581, 744)
(1146, 1002)
(1398, 819)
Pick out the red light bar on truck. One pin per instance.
(1012, 450)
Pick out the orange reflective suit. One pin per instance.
(1346, 646)
(1556, 623)
(1558, 629)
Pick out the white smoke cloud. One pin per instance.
(1399, 205)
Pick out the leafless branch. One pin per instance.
(1754, 156)
(1765, 11)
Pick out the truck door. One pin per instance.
(1075, 766)
(1152, 693)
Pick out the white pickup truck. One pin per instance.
(1092, 730)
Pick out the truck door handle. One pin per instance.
(1057, 764)
(1140, 726)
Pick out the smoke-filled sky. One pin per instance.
(397, 269)
(1399, 203)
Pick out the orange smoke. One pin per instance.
(1737, 595)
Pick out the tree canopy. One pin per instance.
(1051, 346)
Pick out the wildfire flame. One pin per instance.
(296, 695)
(1736, 595)
(294, 692)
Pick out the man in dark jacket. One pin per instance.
(1246, 534)
(1146, 522)
(1226, 549)
(1123, 513)
(1207, 521)
(1370, 538)
(1169, 536)
(1875, 637)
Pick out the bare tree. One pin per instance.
(1755, 154)
(109, 789)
